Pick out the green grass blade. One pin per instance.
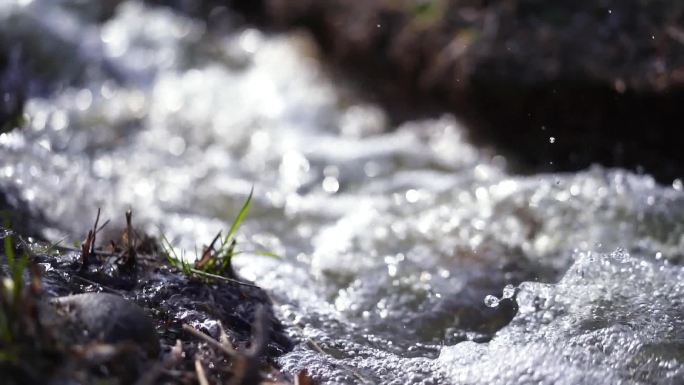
(171, 255)
(17, 271)
(7, 241)
(54, 246)
(5, 332)
(220, 277)
(267, 253)
(239, 217)
(9, 251)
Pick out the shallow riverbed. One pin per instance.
(391, 237)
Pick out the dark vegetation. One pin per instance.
(141, 320)
(12, 94)
(604, 78)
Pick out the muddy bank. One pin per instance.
(604, 79)
(122, 314)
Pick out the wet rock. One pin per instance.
(107, 318)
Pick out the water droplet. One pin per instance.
(677, 184)
(250, 40)
(372, 169)
(59, 120)
(412, 196)
(491, 301)
(330, 185)
(552, 139)
(620, 255)
(84, 98)
(508, 291)
(176, 145)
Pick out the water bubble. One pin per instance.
(575, 190)
(59, 120)
(107, 90)
(372, 169)
(491, 301)
(677, 184)
(103, 167)
(84, 99)
(508, 291)
(620, 255)
(250, 40)
(176, 145)
(552, 139)
(330, 185)
(412, 196)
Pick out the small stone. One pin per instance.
(106, 318)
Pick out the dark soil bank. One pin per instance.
(605, 79)
(123, 316)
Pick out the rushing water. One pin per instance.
(405, 249)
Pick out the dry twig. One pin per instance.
(246, 366)
(201, 376)
(227, 350)
(174, 357)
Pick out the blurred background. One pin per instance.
(604, 78)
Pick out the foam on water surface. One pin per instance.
(611, 319)
(392, 237)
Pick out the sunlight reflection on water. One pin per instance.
(392, 236)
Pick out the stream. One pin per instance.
(407, 255)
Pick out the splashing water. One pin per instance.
(491, 301)
(508, 291)
(392, 237)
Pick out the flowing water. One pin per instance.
(405, 250)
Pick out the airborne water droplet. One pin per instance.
(491, 301)
(508, 291)
(620, 255)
